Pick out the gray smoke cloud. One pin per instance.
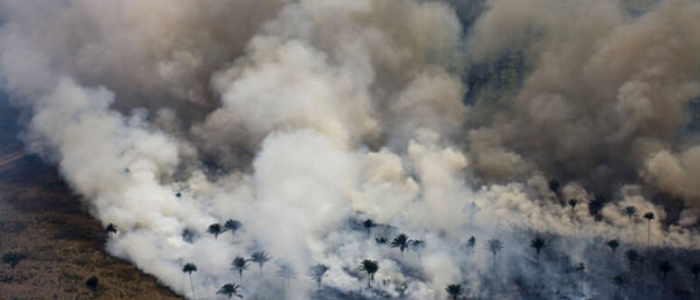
(439, 119)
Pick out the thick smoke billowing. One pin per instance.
(301, 119)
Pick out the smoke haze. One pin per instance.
(439, 119)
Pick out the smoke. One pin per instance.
(443, 120)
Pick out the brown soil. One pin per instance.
(41, 219)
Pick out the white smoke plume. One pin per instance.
(443, 120)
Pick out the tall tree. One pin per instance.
(620, 280)
(13, 258)
(495, 246)
(317, 272)
(613, 244)
(189, 268)
(371, 267)
(368, 225)
(230, 290)
(596, 205)
(260, 258)
(402, 242)
(630, 212)
(471, 243)
(454, 290)
(665, 267)
(233, 226)
(286, 271)
(573, 203)
(632, 256)
(695, 270)
(111, 228)
(216, 229)
(649, 216)
(240, 264)
(538, 243)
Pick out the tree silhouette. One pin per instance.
(239, 264)
(380, 240)
(538, 243)
(418, 247)
(216, 229)
(402, 242)
(665, 267)
(631, 256)
(620, 280)
(630, 212)
(596, 205)
(695, 270)
(573, 203)
(454, 290)
(368, 224)
(613, 244)
(260, 258)
(471, 243)
(189, 268)
(286, 271)
(371, 267)
(495, 246)
(92, 283)
(317, 272)
(111, 228)
(233, 226)
(13, 258)
(649, 216)
(230, 289)
(554, 185)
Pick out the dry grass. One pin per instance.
(40, 218)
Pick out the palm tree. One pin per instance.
(665, 267)
(631, 256)
(371, 267)
(613, 244)
(695, 270)
(380, 240)
(230, 289)
(111, 228)
(596, 205)
(368, 224)
(471, 243)
(233, 225)
(13, 258)
(418, 246)
(317, 272)
(495, 246)
(189, 268)
(554, 185)
(216, 229)
(240, 264)
(260, 258)
(573, 203)
(454, 290)
(649, 216)
(402, 242)
(286, 271)
(538, 243)
(620, 280)
(630, 212)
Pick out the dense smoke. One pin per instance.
(301, 119)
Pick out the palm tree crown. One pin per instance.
(260, 258)
(189, 268)
(368, 224)
(233, 225)
(629, 211)
(454, 290)
(230, 289)
(613, 244)
(240, 264)
(216, 229)
(402, 242)
(538, 243)
(495, 246)
(317, 272)
(371, 267)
